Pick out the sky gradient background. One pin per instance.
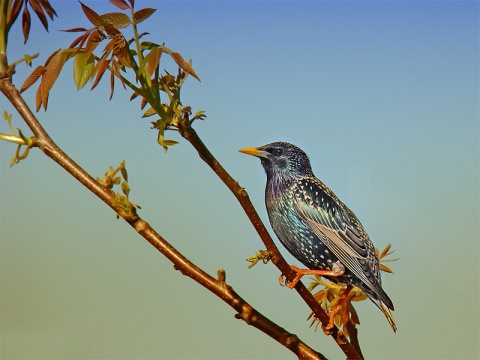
(383, 96)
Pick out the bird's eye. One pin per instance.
(277, 152)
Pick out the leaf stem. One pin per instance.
(13, 139)
(5, 6)
(144, 73)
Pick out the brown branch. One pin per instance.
(353, 334)
(217, 286)
(187, 132)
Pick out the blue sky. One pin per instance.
(383, 96)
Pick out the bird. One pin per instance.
(316, 227)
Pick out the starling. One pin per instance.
(317, 228)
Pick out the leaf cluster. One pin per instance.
(111, 179)
(382, 256)
(260, 255)
(121, 56)
(41, 8)
(331, 293)
(20, 140)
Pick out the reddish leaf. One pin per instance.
(143, 103)
(53, 69)
(122, 52)
(81, 39)
(45, 100)
(16, 7)
(37, 8)
(121, 4)
(186, 66)
(142, 35)
(143, 14)
(93, 40)
(50, 58)
(123, 57)
(96, 36)
(38, 99)
(91, 15)
(132, 2)
(26, 20)
(48, 8)
(75, 30)
(110, 45)
(102, 65)
(117, 19)
(33, 77)
(134, 96)
(112, 84)
(116, 71)
(111, 30)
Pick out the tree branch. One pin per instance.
(244, 311)
(218, 287)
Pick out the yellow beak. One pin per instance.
(254, 152)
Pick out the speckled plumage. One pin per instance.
(314, 225)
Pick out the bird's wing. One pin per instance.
(333, 224)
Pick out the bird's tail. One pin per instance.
(387, 313)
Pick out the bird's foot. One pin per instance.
(343, 303)
(337, 270)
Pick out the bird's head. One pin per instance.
(281, 160)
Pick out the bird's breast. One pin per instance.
(296, 235)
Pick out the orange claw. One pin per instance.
(343, 302)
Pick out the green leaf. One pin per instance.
(125, 188)
(148, 45)
(7, 116)
(28, 59)
(165, 143)
(170, 142)
(151, 61)
(149, 112)
(200, 115)
(83, 69)
(123, 171)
